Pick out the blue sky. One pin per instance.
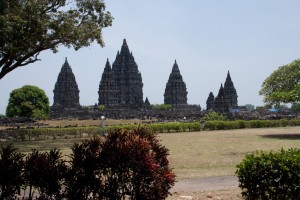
(251, 39)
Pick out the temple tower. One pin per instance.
(175, 92)
(128, 78)
(108, 88)
(66, 92)
(210, 102)
(221, 102)
(230, 92)
(147, 103)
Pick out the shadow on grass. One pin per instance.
(283, 136)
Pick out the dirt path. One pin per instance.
(206, 184)
(212, 188)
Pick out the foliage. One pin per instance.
(239, 124)
(280, 106)
(249, 107)
(211, 116)
(282, 86)
(45, 171)
(11, 172)
(295, 107)
(162, 106)
(270, 175)
(29, 27)
(125, 163)
(28, 101)
(101, 107)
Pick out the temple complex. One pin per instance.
(120, 94)
(175, 92)
(66, 92)
(226, 100)
(122, 84)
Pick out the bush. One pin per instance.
(11, 167)
(123, 164)
(214, 116)
(45, 171)
(270, 175)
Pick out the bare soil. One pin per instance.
(221, 187)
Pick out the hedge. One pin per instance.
(270, 175)
(53, 133)
(239, 124)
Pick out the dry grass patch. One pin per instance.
(216, 153)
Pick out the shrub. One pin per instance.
(45, 171)
(11, 168)
(270, 175)
(124, 163)
(214, 116)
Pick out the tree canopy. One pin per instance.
(282, 86)
(28, 27)
(28, 101)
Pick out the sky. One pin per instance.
(251, 39)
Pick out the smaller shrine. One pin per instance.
(66, 92)
(175, 92)
(226, 100)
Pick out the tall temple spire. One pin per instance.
(175, 68)
(230, 92)
(66, 92)
(125, 49)
(221, 103)
(175, 91)
(128, 79)
(210, 102)
(108, 88)
(226, 100)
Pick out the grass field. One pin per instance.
(216, 153)
(201, 154)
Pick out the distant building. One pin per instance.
(122, 84)
(66, 92)
(226, 100)
(175, 91)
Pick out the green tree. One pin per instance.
(282, 86)
(28, 101)
(212, 116)
(295, 107)
(249, 107)
(28, 27)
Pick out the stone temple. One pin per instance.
(175, 92)
(226, 100)
(121, 85)
(66, 92)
